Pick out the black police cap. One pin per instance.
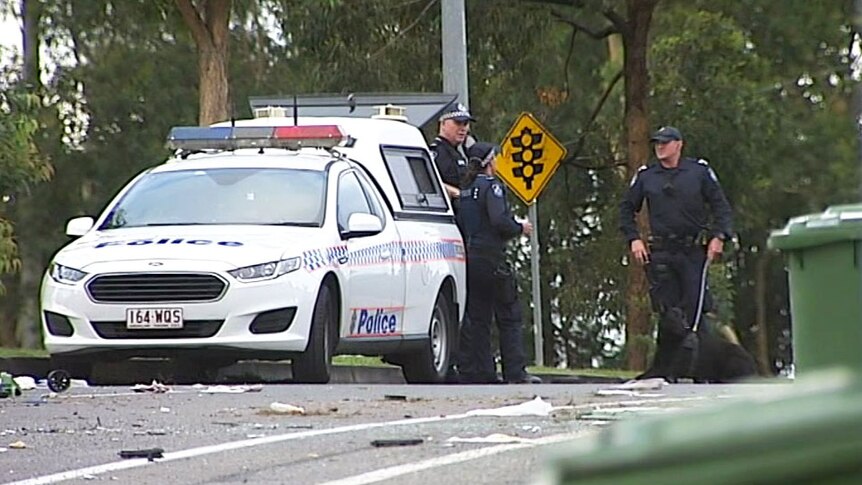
(666, 134)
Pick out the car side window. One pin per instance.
(351, 199)
(413, 173)
(372, 196)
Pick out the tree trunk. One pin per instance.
(30, 275)
(208, 21)
(31, 11)
(214, 103)
(761, 272)
(636, 36)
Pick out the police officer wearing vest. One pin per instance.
(689, 218)
(448, 149)
(491, 289)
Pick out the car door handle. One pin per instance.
(385, 254)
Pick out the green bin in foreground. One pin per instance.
(807, 432)
(824, 261)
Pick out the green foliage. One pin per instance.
(761, 89)
(21, 165)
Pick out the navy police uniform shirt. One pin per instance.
(680, 202)
(487, 220)
(451, 161)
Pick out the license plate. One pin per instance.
(154, 318)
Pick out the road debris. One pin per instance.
(155, 387)
(58, 380)
(536, 407)
(8, 386)
(282, 408)
(223, 389)
(149, 453)
(25, 383)
(394, 397)
(633, 388)
(17, 445)
(397, 442)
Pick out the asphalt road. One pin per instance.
(75, 437)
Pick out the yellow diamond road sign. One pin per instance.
(530, 157)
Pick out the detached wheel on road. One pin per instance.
(430, 364)
(314, 366)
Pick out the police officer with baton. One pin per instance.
(488, 225)
(690, 220)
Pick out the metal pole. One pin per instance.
(537, 284)
(857, 91)
(454, 45)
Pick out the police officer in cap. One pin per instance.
(491, 290)
(689, 218)
(448, 149)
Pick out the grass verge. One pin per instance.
(6, 353)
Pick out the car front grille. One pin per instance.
(191, 329)
(156, 287)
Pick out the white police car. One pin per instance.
(272, 238)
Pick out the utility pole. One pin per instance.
(857, 91)
(453, 33)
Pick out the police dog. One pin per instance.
(700, 355)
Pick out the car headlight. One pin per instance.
(266, 271)
(65, 274)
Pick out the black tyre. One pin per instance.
(430, 364)
(314, 366)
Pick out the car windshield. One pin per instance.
(222, 196)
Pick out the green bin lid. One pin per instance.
(837, 223)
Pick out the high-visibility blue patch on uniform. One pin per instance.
(497, 190)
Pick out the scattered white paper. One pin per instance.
(26, 383)
(222, 389)
(643, 384)
(536, 407)
(282, 408)
(633, 387)
(154, 387)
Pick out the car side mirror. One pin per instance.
(361, 224)
(79, 226)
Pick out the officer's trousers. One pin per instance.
(492, 292)
(674, 276)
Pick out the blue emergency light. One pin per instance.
(236, 137)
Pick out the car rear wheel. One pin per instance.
(314, 366)
(430, 364)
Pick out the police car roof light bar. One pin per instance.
(320, 136)
(196, 138)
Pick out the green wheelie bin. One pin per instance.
(808, 432)
(824, 262)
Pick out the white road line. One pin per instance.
(399, 470)
(206, 450)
